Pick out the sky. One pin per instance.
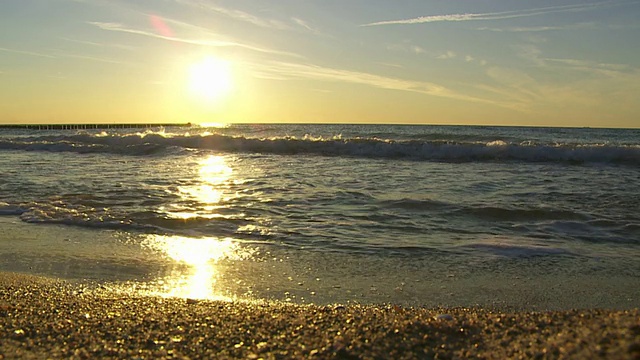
(483, 62)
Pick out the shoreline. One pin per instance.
(49, 318)
(120, 261)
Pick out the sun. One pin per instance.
(210, 79)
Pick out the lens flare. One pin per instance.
(161, 27)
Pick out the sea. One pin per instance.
(524, 218)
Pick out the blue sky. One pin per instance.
(563, 63)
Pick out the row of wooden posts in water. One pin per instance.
(89, 126)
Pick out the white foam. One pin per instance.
(434, 150)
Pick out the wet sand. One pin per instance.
(45, 318)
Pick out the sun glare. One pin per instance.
(210, 79)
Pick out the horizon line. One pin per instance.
(131, 125)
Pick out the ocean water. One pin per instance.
(529, 218)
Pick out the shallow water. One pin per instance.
(417, 215)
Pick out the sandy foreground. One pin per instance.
(44, 318)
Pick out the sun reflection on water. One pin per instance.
(195, 268)
(214, 176)
(196, 262)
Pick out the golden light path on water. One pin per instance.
(214, 174)
(196, 261)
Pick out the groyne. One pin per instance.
(91, 126)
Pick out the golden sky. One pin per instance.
(567, 63)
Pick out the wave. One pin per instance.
(73, 214)
(513, 248)
(421, 150)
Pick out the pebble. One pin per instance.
(443, 317)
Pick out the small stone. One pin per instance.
(446, 317)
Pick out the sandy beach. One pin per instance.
(47, 318)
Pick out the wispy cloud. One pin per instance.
(418, 50)
(117, 27)
(578, 26)
(616, 91)
(235, 14)
(305, 25)
(92, 58)
(594, 68)
(249, 18)
(584, 63)
(447, 55)
(451, 55)
(60, 54)
(497, 15)
(530, 52)
(97, 44)
(471, 59)
(583, 83)
(520, 84)
(533, 54)
(524, 29)
(406, 46)
(287, 70)
(390, 65)
(30, 53)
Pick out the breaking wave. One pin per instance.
(420, 150)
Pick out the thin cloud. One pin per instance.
(249, 18)
(515, 99)
(236, 14)
(284, 70)
(390, 64)
(590, 67)
(447, 55)
(58, 54)
(202, 31)
(30, 53)
(531, 92)
(93, 58)
(97, 44)
(471, 59)
(406, 46)
(108, 26)
(525, 29)
(418, 50)
(531, 53)
(305, 25)
(539, 28)
(497, 15)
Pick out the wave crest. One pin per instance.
(420, 150)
